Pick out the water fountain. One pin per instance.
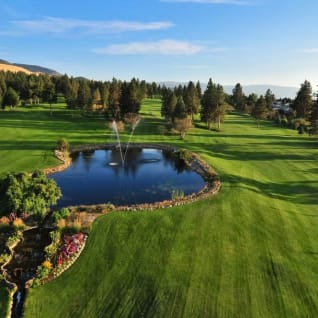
(133, 120)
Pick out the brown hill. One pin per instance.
(13, 68)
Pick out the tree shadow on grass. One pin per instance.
(303, 192)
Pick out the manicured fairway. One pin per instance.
(251, 251)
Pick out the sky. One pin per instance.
(247, 41)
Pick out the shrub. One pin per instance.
(61, 224)
(61, 214)
(62, 145)
(18, 224)
(4, 221)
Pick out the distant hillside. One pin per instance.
(13, 68)
(38, 69)
(279, 91)
(26, 68)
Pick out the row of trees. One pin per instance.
(302, 113)
(179, 105)
(114, 97)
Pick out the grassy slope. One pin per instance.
(249, 252)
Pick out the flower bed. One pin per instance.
(71, 245)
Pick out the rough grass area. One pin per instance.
(251, 251)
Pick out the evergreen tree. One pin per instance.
(11, 98)
(192, 100)
(238, 97)
(180, 111)
(114, 99)
(199, 89)
(105, 95)
(303, 102)
(220, 107)
(208, 104)
(250, 103)
(84, 98)
(260, 110)
(314, 119)
(270, 99)
(97, 99)
(169, 102)
(49, 94)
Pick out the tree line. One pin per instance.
(301, 113)
(116, 98)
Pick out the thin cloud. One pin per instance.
(233, 2)
(309, 51)
(162, 47)
(60, 26)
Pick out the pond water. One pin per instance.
(147, 175)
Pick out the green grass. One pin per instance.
(251, 251)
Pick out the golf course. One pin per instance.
(249, 251)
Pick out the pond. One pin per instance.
(147, 175)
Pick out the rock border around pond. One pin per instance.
(211, 178)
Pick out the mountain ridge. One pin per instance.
(27, 68)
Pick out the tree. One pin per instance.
(238, 97)
(96, 98)
(207, 110)
(250, 103)
(114, 100)
(260, 110)
(192, 100)
(314, 119)
(3, 88)
(24, 193)
(180, 109)
(213, 104)
(270, 99)
(169, 102)
(199, 89)
(105, 95)
(49, 94)
(84, 98)
(182, 126)
(11, 98)
(303, 102)
(221, 106)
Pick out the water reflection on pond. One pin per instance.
(148, 175)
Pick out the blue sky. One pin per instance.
(246, 41)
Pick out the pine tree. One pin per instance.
(260, 110)
(84, 98)
(314, 119)
(221, 105)
(169, 102)
(208, 104)
(11, 98)
(192, 100)
(303, 102)
(270, 99)
(199, 89)
(180, 111)
(114, 99)
(238, 97)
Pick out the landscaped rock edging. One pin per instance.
(66, 162)
(212, 181)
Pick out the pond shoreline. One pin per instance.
(212, 181)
